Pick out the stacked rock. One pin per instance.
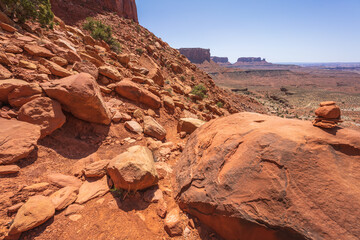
(328, 115)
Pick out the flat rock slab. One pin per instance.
(62, 180)
(17, 140)
(90, 190)
(9, 169)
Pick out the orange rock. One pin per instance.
(38, 51)
(17, 140)
(44, 112)
(33, 213)
(92, 189)
(9, 169)
(24, 94)
(248, 171)
(62, 180)
(134, 92)
(172, 223)
(81, 95)
(7, 27)
(328, 111)
(64, 197)
(327, 103)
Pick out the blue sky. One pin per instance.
(278, 30)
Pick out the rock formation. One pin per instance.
(253, 176)
(220, 59)
(196, 55)
(250, 59)
(328, 115)
(72, 11)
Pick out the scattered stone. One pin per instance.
(73, 208)
(36, 211)
(92, 189)
(75, 217)
(4, 73)
(9, 169)
(134, 92)
(55, 69)
(119, 117)
(17, 140)
(24, 94)
(6, 86)
(88, 106)
(64, 197)
(172, 223)
(59, 61)
(153, 195)
(153, 128)
(7, 27)
(134, 126)
(96, 169)
(44, 112)
(138, 114)
(38, 51)
(86, 67)
(28, 65)
(37, 187)
(133, 169)
(110, 72)
(189, 125)
(169, 102)
(15, 208)
(62, 180)
(161, 208)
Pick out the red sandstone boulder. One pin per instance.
(80, 95)
(6, 86)
(44, 112)
(17, 140)
(24, 94)
(328, 111)
(252, 176)
(133, 169)
(38, 51)
(135, 92)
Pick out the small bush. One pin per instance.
(200, 91)
(192, 78)
(101, 31)
(140, 51)
(182, 78)
(167, 82)
(219, 104)
(37, 10)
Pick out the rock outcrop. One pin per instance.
(72, 11)
(250, 59)
(252, 176)
(196, 55)
(220, 59)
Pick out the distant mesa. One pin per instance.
(220, 59)
(250, 60)
(196, 55)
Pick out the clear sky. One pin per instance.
(278, 30)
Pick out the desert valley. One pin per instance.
(108, 132)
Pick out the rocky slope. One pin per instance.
(70, 107)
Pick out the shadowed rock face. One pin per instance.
(252, 176)
(220, 59)
(196, 55)
(72, 11)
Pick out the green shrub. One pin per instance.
(192, 78)
(219, 104)
(140, 51)
(37, 10)
(101, 31)
(182, 78)
(200, 91)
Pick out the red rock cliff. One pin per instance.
(196, 55)
(72, 11)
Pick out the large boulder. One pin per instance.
(34, 212)
(133, 169)
(135, 92)
(252, 176)
(44, 112)
(153, 128)
(17, 140)
(80, 95)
